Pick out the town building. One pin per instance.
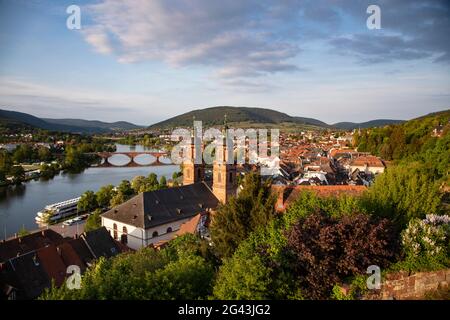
(29, 264)
(155, 217)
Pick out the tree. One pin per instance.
(163, 182)
(104, 195)
(88, 202)
(94, 221)
(74, 160)
(404, 192)
(47, 171)
(117, 199)
(244, 276)
(144, 274)
(138, 184)
(18, 174)
(252, 208)
(44, 154)
(327, 250)
(125, 189)
(5, 161)
(23, 153)
(151, 182)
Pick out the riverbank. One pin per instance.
(20, 203)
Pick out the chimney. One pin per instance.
(283, 194)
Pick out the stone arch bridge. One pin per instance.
(132, 155)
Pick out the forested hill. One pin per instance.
(395, 142)
(215, 116)
(243, 115)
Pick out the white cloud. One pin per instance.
(239, 38)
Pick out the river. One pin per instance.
(19, 204)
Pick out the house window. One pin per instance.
(124, 237)
(115, 231)
(169, 229)
(155, 234)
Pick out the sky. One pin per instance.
(145, 61)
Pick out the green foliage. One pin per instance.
(358, 287)
(426, 244)
(309, 202)
(144, 274)
(104, 195)
(244, 276)
(150, 183)
(234, 221)
(74, 160)
(23, 153)
(18, 174)
(6, 161)
(48, 170)
(44, 154)
(163, 182)
(117, 199)
(23, 232)
(94, 221)
(396, 142)
(88, 202)
(404, 192)
(138, 184)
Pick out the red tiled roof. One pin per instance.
(189, 226)
(370, 161)
(21, 245)
(52, 263)
(334, 152)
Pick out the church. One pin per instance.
(155, 217)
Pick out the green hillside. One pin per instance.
(364, 125)
(16, 120)
(395, 142)
(215, 116)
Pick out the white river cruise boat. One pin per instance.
(57, 211)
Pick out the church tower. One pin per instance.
(224, 173)
(192, 172)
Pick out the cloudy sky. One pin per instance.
(145, 61)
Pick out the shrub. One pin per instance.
(425, 243)
(328, 250)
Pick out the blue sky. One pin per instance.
(145, 61)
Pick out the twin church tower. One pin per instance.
(224, 174)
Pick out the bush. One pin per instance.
(404, 192)
(425, 244)
(328, 250)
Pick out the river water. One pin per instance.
(19, 204)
